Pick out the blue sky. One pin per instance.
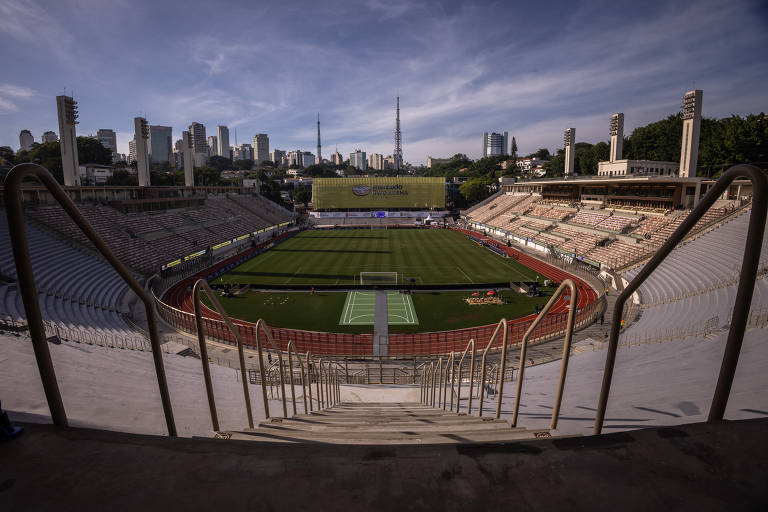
(530, 68)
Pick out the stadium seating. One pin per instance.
(147, 241)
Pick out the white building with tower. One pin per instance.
(141, 137)
(495, 144)
(26, 140)
(50, 136)
(66, 107)
(569, 140)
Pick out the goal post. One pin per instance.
(378, 278)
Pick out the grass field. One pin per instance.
(430, 256)
(434, 311)
(359, 309)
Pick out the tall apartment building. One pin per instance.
(277, 156)
(50, 136)
(108, 139)
(260, 148)
(222, 140)
(213, 146)
(199, 143)
(376, 161)
(495, 144)
(358, 159)
(308, 158)
(160, 144)
(243, 152)
(66, 108)
(131, 151)
(26, 140)
(337, 158)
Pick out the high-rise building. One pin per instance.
(358, 159)
(337, 158)
(376, 161)
(260, 148)
(617, 137)
(108, 139)
(131, 151)
(222, 139)
(199, 143)
(495, 144)
(278, 157)
(689, 152)
(243, 152)
(213, 146)
(141, 136)
(160, 140)
(67, 113)
(307, 159)
(569, 140)
(293, 158)
(26, 140)
(50, 137)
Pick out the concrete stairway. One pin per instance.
(383, 423)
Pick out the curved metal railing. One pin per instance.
(26, 280)
(749, 265)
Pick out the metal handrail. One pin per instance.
(749, 265)
(451, 361)
(261, 326)
(566, 348)
(203, 284)
(292, 345)
(471, 343)
(26, 280)
(502, 325)
(307, 360)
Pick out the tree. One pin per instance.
(206, 175)
(7, 157)
(243, 165)
(121, 178)
(220, 163)
(304, 195)
(474, 190)
(91, 151)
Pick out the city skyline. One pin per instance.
(557, 72)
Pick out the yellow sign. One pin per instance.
(222, 244)
(241, 238)
(171, 264)
(384, 192)
(194, 255)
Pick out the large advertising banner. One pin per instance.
(380, 193)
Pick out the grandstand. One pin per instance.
(668, 352)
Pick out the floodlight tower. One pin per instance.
(67, 110)
(569, 139)
(141, 134)
(689, 152)
(189, 159)
(617, 136)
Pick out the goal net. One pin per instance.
(377, 278)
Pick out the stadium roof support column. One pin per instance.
(569, 140)
(189, 159)
(617, 136)
(67, 110)
(689, 152)
(141, 135)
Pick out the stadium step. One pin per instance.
(383, 423)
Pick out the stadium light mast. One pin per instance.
(569, 140)
(67, 112)
(398, 139)
(319, 154)
(141, 135)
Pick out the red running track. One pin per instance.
(177, 308)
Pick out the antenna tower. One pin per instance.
(398, 139)
(319, 155)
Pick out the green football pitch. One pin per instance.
(336, 257)
(359, 309)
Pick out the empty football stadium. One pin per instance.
(554, 324)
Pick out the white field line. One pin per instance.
(465, 274)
